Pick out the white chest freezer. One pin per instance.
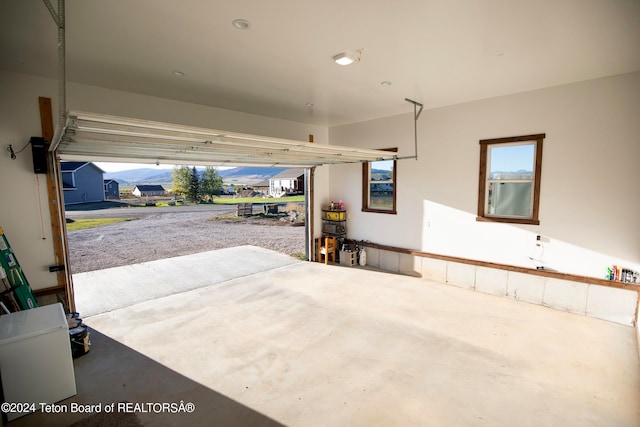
(35, 357)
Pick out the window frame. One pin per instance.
(366, 186)
(483, 195)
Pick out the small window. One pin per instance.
(379, 186)
(509, 189)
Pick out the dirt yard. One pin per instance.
(159, 235)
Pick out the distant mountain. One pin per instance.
(240, 175)
(141, 176)
(381, 174)
(248, 175)
(519, 174)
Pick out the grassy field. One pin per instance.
(227, 200)
(80, 224)
(233, 200)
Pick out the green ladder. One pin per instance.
(16, 293)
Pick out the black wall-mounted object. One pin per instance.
(39, 148)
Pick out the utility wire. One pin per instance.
(15, 153)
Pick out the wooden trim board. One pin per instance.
(544, 273)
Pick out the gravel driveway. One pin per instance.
(154, 236)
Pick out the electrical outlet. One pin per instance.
(542, 239)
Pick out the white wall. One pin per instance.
(24, 205)
(590, 175)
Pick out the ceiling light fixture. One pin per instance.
(241, 24)
(308, 105)
(344, 58)
(347, 58)
(385, 83)
(178, 73)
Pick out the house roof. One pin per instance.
(106, 181)
(149, 187)
(264, 183)
(71, 166)
(74, 166)
(289, 174)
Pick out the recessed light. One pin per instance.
(385, 83)
(241, 24)
(308, 105)
(344, 58)
(348, 58)
(178, 73)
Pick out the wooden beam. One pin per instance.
(56, 203)
(49, 291)
(310, 201)
(46, 118)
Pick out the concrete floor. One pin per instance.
(306, 344)
(105, 290)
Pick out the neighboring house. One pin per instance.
(290, 181)
(111, 189)
(82, 182)
(148, 190)
(262, 187)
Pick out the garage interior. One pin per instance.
(450, 323)
(292, 340)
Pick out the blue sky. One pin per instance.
(116, 167)
(512, 158)
(383, 165)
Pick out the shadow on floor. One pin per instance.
(112, 373)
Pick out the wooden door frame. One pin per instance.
(57, 214)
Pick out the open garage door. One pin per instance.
(111, 138)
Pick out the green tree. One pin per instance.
(193, 192)
(210, 183)
(181, 179)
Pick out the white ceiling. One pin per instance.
(437, 52)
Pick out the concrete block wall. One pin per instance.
(602, 302)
